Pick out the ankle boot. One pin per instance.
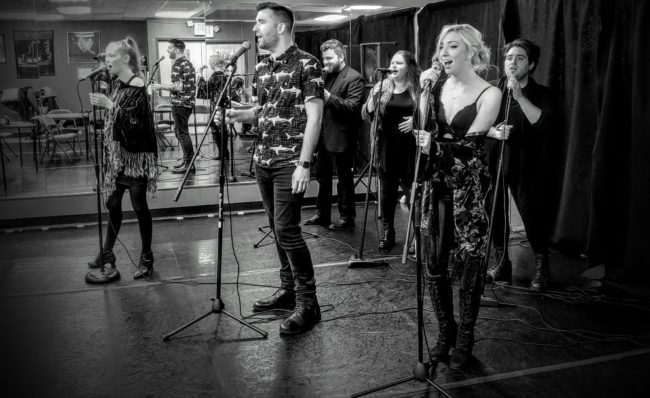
(442, 300)
(107, 257)
(540, 281)
(469, 301)
(387, 240)
(145, 267)
(501, 269)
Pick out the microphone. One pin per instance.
(326, 69)
(386, 70)
(95, 72)
(245, 46)
(159, 61)
(437, 69)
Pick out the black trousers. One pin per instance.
(181, 116)
(391, 181)
(530, 202)
(216, 136)
(343, 164)
(283, 210)
(137, 188)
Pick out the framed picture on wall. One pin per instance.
(3, 53)
(34, 53)
(83, 47)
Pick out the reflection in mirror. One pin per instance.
(47, 56)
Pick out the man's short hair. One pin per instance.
(333, 44)
(283, 13)
(532, 50)
(180, 44)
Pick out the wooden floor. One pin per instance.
(63, 338)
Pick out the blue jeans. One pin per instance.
(181, 116)
(283, 210)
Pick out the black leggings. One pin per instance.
(138, 194)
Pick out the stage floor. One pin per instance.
(62, 337)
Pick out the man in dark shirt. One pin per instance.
(530, 121)
(341, 122)
(289, 87)
(215, 86)
(183, 89)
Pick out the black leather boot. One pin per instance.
(387, 240)
(542, 272)
(107, 258)
(282, 299)
(469, 301)
(304, 317)
(442, 300)
(145, 267)
(500, 271)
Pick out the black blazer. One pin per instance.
(342, 112)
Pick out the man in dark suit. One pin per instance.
(338, 138)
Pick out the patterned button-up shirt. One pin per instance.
(183, 71)
(282, 87)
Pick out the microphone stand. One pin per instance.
(488, 301)
(111, 274)
(414, 184)
(217, 304)
(422, 372)
(357, 260)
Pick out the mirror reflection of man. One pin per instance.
(338, 138)
(531, 119)
(215, 86)
(182, 88)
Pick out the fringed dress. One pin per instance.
(129, 140)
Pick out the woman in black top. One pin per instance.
(130, 151)
(456, 181)
(395, 146)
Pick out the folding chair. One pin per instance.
(56, 136)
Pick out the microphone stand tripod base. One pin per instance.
(356, 262)
(103, 276)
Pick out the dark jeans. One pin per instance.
(390, 184)
(181, 116)
(343, 162)
(283, 210)
(216, 136)
(138, 192)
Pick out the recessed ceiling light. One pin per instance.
(174, 14)
(330, 18)
(73, 10)
(361, 8)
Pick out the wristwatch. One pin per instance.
(305, 164)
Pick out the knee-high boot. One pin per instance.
(469, 301)
(442, 300)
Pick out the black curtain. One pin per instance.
(394, 26)
(593, 55)
(484, 15)
(310, 40)
(620, 206)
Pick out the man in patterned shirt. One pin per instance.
(182, 88)
(289, 86)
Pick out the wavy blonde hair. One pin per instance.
(479, 53)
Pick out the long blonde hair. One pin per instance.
(473, 39)
(129, 47)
